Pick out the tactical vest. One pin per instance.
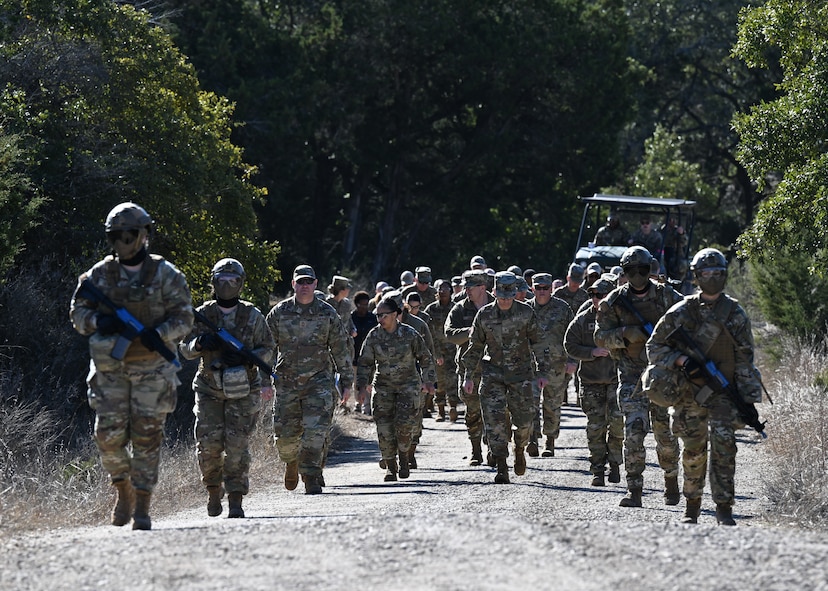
(712, 335)
(242, 330)
(140, 297)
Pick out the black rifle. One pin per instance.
(719, 383)
(647, 326)
(235, 344)
(132, 326)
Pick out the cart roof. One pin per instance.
(634, 200)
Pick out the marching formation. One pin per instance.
(497, 348)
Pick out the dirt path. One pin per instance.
(447, 527)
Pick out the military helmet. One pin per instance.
(709, 267)
(127, 216)
(708, 258)
(636, 256)
(227, 278)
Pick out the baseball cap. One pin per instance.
(477, 261)
(594, 268)
(472, 278)
(505, 284)
(576, 271)
(303, 271)
(542, 279)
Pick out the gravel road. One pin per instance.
(447, 527)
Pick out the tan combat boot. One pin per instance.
(477, 453)
(441, 413)
(692, 511)
(214, 502)
(520, 462)
(141, 518)
(122, 511)
(391, 470)
(672, 496)
(406, 460)
(633, 498)
(292, 475)
(502, 476)
(724, 514)
(234, 502)
(532, 448)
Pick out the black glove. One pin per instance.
(209, 341)
(233, 358)
(108, 324)
(151, 339)
(693, 370)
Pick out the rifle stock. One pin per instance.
(133, 327)
(235, 344)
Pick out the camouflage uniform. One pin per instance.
(553, 319)
(675, 261)
(723, 331)
(311, 344)
(132, 398)
(447, 373)
(506, 345)
(224, 423)
(391, 360)
(457, 329)
(427, 296)
(575, 299)
(598, 379)
(421, 326)
(611, 320)
(653, 242)
(607, 236)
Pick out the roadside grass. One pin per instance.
(44, 486)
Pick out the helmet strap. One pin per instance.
(135, 260)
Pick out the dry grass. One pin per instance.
(798, 432)
(42, 486)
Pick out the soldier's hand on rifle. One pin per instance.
(208, 342)
(692, 369)
(233, 358)
(108, 324)
(634, 334)
(151, 339)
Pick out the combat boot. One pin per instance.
(122, 511)
(490, 459)
(214, 502)
(502, 476)
(312, 485)
(672, 496)
(234, 505)
(724, 514)
(633, 498)
(532, 448)
(441, 413)
(391, 470)
(141, 518)
(614, 474)
(477, 453)
(412, 461)
(520, 462)
(598, 479)
(692, 511)
(292, 475)
(453, 414)
(405, 464)
(549, 452)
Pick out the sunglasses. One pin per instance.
(381, 315)
(542, 287)
(708, 273)
(125, 236)
(415, 307)
(643, 270)
(305, 281)
(594, 294)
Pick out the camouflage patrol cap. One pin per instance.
(303, 271)
(406, 278)
(477, 261)
(602, 286)
(380, 286)
(506, 284)
(395, 295)
(617, 270)
(516, 270)
(575, 271)
(472, 278)
(457, 280)
(521, 284)
(339, 283)
(594, 268)
(542, 279)
(441, 284)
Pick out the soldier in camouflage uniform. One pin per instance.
(446, 350)
(133, 396)
(720, 328)
(576, 296)
(649, 238)
(422, 286)
(553, 315)
(675, 244)
(395, 359)
(227, 386)
(311, 345)
(337, 297)
(457, 329)
(598, 381)
(613, 233)
(624, 333)
(507, 343)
